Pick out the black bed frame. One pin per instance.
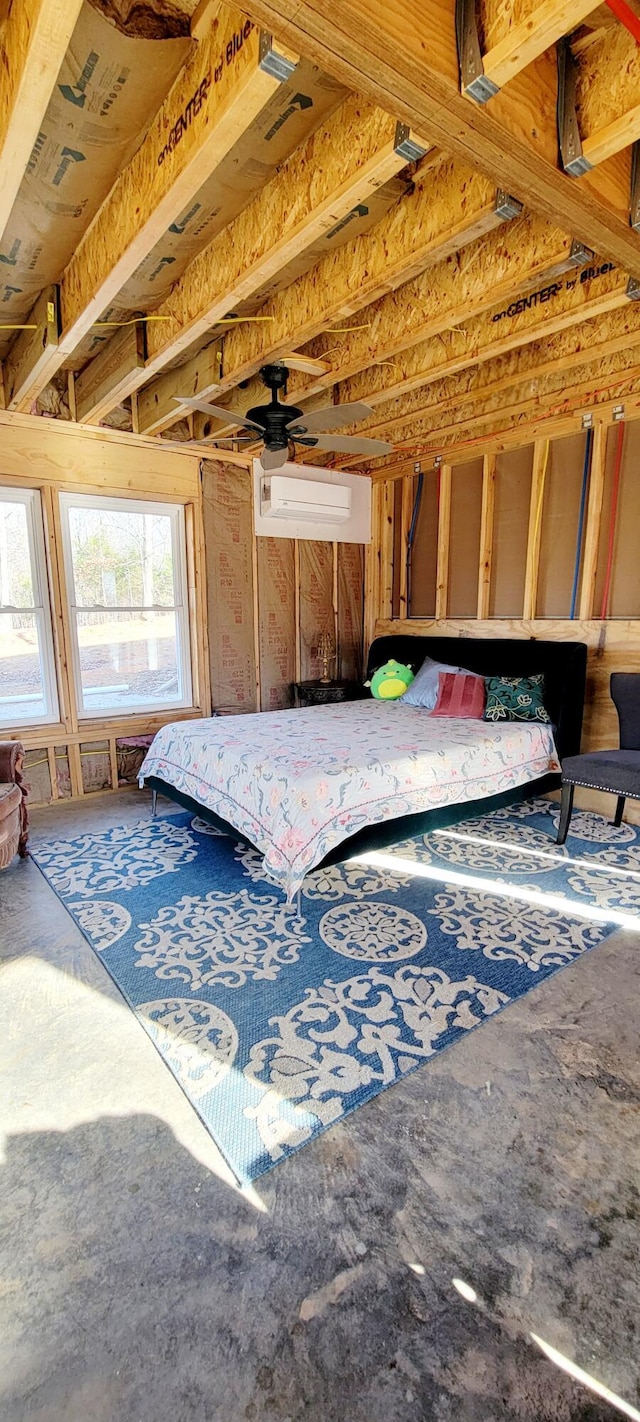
(564, 666)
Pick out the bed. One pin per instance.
(308, 788)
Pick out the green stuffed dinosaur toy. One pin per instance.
(390, 681)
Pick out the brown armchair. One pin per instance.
(14, 819)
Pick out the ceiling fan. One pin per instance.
(281, 426)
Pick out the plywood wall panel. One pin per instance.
(560, 513)
(228, 528)
(277, 621)
(511, 519)
(350, 609)
(464, 553)
(316, 605)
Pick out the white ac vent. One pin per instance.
(282, 497)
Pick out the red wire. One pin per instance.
(612, 522)
(625, 14)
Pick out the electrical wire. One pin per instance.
(411, 535)
(583, 504)
(612, 522)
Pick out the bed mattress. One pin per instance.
(297, 783)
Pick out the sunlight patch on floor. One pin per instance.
(71, 1059)
(573, 908)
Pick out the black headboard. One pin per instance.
(564, 665)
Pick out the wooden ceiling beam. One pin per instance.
(513, 138)
(500, 328)
(447, 212)
(34, 39)
(430, 312)
(380, 359)
(513, 43)
(211, 104)
(610, 379)
(511, 434)
(607, 78)
(586, 343)
(105, 381)
(316, 192)
(507, 387)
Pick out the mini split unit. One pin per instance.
(282, 497)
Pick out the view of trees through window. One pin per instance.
(121, 559)
(128, 605)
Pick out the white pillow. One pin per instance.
(424, 687)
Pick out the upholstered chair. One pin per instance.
(14, 822)
(615, 771)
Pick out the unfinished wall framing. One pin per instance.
(535, 539)
(270, 600)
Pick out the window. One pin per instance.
(126, 578)
(28, 693)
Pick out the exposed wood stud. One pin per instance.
(296, 595)
(386, 550)
(534, 535)
(444, 539)
(53, 772)
(255, 600)
(58, 603)
(594, 519)
(334, 600)
(113, 762)
(71, 394)
(486, 533)
(372, 568)
(75, 768)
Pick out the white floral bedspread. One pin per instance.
(296, 783)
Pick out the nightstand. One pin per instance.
(320, 693)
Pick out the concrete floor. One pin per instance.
(138, 1285)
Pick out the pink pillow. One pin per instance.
(460, 694)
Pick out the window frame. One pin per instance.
(119, 504)
(42, 609)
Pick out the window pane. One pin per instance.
(128, 659)
(22, 684)
(16, 587)
(121, 558)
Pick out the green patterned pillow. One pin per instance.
(515, 698)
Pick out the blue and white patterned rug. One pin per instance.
(275, 1024)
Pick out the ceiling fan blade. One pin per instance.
(349, 444)
(217, 411)
(274, 458)
(330, 417)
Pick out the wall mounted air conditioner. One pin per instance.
(282, 497)
(305, 501)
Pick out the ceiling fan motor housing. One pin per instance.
(274, 418)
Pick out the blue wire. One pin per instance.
(583, 504)
(411, 536)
